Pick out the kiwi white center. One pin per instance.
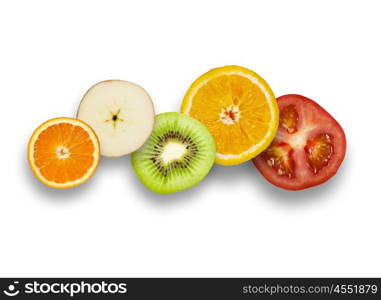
(230, 115)
(62, 152)
(172, 151)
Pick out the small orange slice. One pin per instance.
(239, 109)
(63, 152)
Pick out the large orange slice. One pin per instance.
(239, 109)
(63, 152)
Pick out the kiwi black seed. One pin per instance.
(178, 155)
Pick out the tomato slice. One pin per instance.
(308, 149)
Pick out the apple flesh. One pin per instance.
(121, 113)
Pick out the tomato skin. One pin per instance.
(318, 122)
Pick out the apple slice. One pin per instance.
(121, 113)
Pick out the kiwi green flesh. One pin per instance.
(190, 161)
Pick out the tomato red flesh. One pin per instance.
(308, 149)
(319, 152)
(279, 157)
(288, 118)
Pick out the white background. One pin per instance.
(232, 224)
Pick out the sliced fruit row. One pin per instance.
(229, 116)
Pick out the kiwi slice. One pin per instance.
(177, 156)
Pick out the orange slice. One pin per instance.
(239, 109)
(63, 152)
